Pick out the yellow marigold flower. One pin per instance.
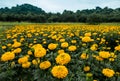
(45, 65)
(23, 60)
(26, 65)
(30, 45)
(103, 40)
(117, 41)
(37, 46)
(84, 44)
(59, 71)
(111, 59)
(95, 45)
(117, 73)
(104, 54)
(44, 42)
(61, 51)
(99, 58)
(18, 50)
(8, 36)
(54, 37)
(98, 39)
(108, 72)
(38, 60)
(87, 34)
(16, 44)
(29, 52)
(86, 68)
(74, 41)
(34, 62)
(22, 39)
(12, 64)
(29, 35)
(52, 46)
(94, 33)
(45, 34)
(7, 56)
(94, 80)
(35, 41)
(93, 48)
(117, 48)
(4, 47)
(63, 58)
(72, 48)
(86, 39)
(36, 34)
(40, 52)
(64, 45)
(62, 40)
(84, 56)
(108, 48)
(89, 74)
(113, 55)
(9, 45)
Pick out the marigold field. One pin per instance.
(60, 52)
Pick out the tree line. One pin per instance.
(30, 13)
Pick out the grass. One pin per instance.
(115, 24)
(26, 23)
(14, 23)
(7, 25)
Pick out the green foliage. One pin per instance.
(30, 13)
(94, 19)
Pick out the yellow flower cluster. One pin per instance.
(16, 44)
(26, 65)
(59, 71)
(104, 54)
(7, 56)
(108, 72)
(62, 40)
(112, 57)
(64, 45)
(39, 51)
(72, 48)
(117, 48)
(63, 58)
(37, 46)
(86, 68)
(87, 34)
(84, 56)
(99, 58)
(86, 39)
(17, 50)
(4, 47)
(73, 41)
(61, 51)
(52, 46)
(94, 47)
(45, 65)
(24, 62)
(34, 62)
(29, 52)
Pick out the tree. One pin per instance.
(94, 19)
(30, 13)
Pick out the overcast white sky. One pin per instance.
(60, 5)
